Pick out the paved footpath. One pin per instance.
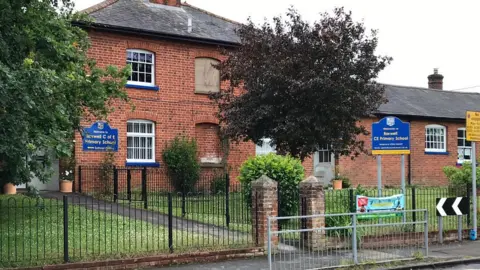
(466, 249)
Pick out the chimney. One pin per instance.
(173, 3)
(435, 81)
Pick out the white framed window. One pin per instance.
(143, 67)
(265, 147)
(207, 77)
(464, 147)
(140, 141)
(435, 138)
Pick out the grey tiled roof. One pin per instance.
(142, 15)
(424, 102)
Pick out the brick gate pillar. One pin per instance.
(264, 205)
(312, 202)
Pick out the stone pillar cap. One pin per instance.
(264, 181)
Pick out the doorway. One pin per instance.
(324, 165)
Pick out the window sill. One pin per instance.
(437, 153)
(143, 87)
(211, 165)
(205, 92)
(143, 164)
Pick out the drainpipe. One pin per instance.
(409, 177)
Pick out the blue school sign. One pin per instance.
(390, 136)
(100, 138)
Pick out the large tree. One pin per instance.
(302, 85)
(47, 85)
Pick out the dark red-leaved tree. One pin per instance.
(302, 85)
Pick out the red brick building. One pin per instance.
(172, 46)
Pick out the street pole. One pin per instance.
(379, 175)
(474, 191)
(403, 182)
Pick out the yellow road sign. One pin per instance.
(473, 126)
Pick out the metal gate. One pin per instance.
(335, 240)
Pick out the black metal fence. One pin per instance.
(80, 228)
(343, 201)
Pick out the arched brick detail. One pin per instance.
(205, 118)
(142, 45)
(142, 115)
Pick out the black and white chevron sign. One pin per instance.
(453, 206)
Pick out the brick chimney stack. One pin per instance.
(173, 3)
(435, 81)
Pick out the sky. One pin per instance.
(419, 35)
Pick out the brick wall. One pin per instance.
(175, 108)
(426, 169)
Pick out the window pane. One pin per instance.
(143, 128)
(149, 128)
(460, 133)
(460, 142)
(142, 57)
(148, 78)
(141, 67)
(129, 127)
(129, 142)
(468, 143)
(135, 56)
(136, 127)
(134, 77)
(141, 77)
(129, 56)
(149, 58)
(148, 68)
(134, 67)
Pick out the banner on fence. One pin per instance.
(382, 207)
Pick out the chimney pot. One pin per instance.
(435, 80)
(174, 3)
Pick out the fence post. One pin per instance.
(66, 257)
(170, 223)
(264, 196)
(414, 207)
(354, 238)
(115, 184)
(440, 229)
(425, 232)
(279, 198)
(184, 202)
(313, 197)
(352, 201)
(144, 187)
(227, 200)
(79, 179)
(129, 185)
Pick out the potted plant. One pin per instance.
(66, 181)
(9, 189)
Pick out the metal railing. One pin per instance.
(356, 242)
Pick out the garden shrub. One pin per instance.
(218, 185)
(286, 170)
(180, 156)
(460, 176)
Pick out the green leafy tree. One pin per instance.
(47, 86)
(302, 85)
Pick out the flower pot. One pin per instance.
(9, 189)
(66, 186)
(337, 184)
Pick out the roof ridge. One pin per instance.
(98, 6)
(209, 13)
(429, 89)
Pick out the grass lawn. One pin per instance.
(32, 233)
(207, 208)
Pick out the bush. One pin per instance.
(460, 176)
(286, 170)
(180, 156)
(218, 185)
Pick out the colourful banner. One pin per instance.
(382, 207)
